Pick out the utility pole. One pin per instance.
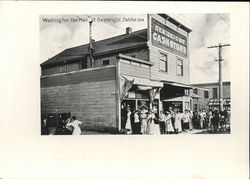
(220, 46)
(90, 44)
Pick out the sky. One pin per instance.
(59, 32)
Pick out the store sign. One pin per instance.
(166, 38)
(216, 102)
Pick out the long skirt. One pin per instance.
(191, 124)
(151, 128)
(178, 124)
(169, 127)
(157, 129)
(144, 126)
(128, 126)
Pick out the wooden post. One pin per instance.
(118, 95)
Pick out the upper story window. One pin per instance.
(186, 92)
(62, 69)
(105, 62)
(215, 94)
(163, 62)
(206, 94)
(179, 67)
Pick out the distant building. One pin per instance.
(206, 95)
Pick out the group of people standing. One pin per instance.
(172, 121)
(69, 126)
(145, 121)
(212, 120)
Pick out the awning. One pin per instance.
(178, 84)
(195, 96)
(143, 81)
(216, 102)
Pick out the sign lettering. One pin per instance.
(166, 38)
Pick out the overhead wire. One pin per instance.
(223, 20)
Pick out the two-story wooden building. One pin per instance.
(147, 67)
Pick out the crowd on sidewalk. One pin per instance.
(172, 121)
(148, 122)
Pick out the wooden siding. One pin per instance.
(154, 55)
(92, 101)
(73, 67)
(134, 69)
(137, 53)
(93, 75)
(171, 75)
(140, 53)
(51, 70)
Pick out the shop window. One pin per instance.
(105, 62)
(179, 67)
(206, 94)
(163, 62)
(215, 94)
(187, 105)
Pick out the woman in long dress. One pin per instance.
(151, 125)
(186, 120)
(136, 129)
(76, 125)
(144, 121)
(178, 118)
(169, 126)
(157, 130)
(128, 123)
(162, 122)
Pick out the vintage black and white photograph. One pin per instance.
(135, 74)
(124, 89)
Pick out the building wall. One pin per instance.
(140, 53)
(88, 94)
(134, 69)
(202, 102)
(226, 89)
(171, 75)
(154, 55)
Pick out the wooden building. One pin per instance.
(206, 95)
(147, 67)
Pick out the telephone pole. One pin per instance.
(220, 46)
(90, 44)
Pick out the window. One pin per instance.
(215, 94)
(163, 62)
(62, 69)
(206, 94)
(84, 64)
(186, 92)
(195, 91)
(105, 62)
(179, 67)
